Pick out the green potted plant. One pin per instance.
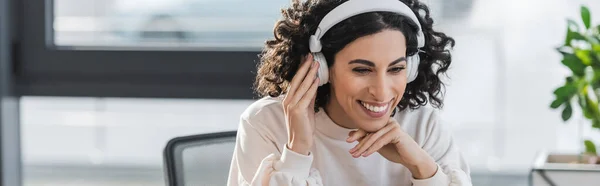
(581, 54)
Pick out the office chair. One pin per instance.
(199, 160)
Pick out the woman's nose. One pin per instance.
(380, 90)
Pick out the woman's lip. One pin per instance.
(375, 103)
(374, 114)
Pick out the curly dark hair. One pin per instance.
(282, 55)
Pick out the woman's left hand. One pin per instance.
(395, 145)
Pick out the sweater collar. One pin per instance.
(326, 126)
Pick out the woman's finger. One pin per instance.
(305, 85)
(368, 142)
(350, 135)
(313, 100)
(355, 135)
(300, 74)
(309, 95)
(361, 143)
(384, 140)
(314, 97)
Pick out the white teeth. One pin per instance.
(374, 108)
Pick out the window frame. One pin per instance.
(10, 135)
(44, 69)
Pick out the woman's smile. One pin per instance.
(373, 109)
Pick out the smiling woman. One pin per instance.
(371, 83)
(340, 81)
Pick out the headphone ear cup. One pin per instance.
(413, 67)
(323, 71)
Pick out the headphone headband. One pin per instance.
(354, 7)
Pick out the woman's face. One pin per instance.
(368, 79)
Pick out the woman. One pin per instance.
(344, 84)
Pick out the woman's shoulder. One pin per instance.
(265, 111)
(266, 118)
(264, 106)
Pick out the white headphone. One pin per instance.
(355, 7)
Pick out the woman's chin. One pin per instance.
(372, 126)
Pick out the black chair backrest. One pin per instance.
(199, 159)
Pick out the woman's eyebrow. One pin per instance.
(371, 64)
(397, 61)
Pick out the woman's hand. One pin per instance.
(298, 105)
(395, 145)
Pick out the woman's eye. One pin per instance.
(361, 70)
(396, 69)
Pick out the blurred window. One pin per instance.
(165, 23)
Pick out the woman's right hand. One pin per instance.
(298, 106)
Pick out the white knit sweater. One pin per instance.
(261, 156)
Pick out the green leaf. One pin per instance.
(585, 16)
(580, 84)
(567, 112)
(584, 56)
(569, 80)
(556, 103)
(574, 63)
(578, 36)
(596, 78)
(583, 105)
(596, 58)
(596, 123)
(592, 106)
(566, 91)
(590, 147)
(565, 50)
(572, 32)
(587, 114)
(571, 35)
(591, 39)
(581, 100)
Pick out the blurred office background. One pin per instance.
(500, 88)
